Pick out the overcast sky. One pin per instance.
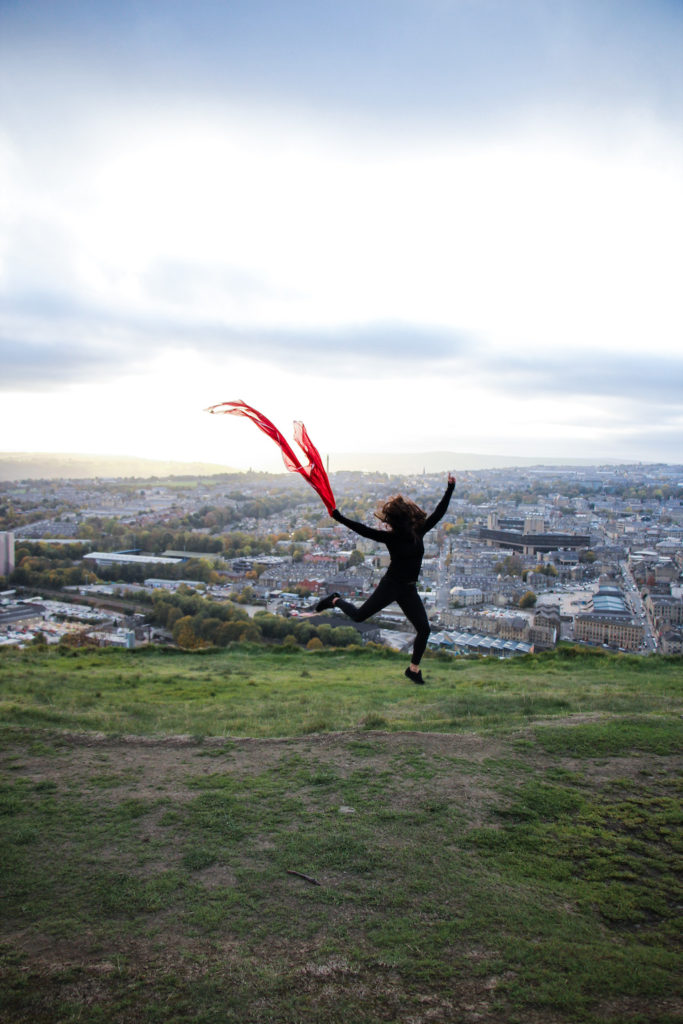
(414, 224)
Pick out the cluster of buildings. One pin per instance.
(26, 620)
(601, 569)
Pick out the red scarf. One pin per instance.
(314, 472)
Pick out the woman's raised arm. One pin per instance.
(440, 509)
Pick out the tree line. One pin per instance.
(197, 622)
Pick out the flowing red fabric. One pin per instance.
(314, 471)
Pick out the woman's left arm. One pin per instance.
(440, 509)
(360, 528)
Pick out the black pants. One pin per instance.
(406, 597)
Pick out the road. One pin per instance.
(637, 605)
(442, 588)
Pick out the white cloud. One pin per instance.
(178, 260)
(532, 238)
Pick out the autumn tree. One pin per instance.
(184, 634)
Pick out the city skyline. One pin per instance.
(417, 227)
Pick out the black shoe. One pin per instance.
(416, 677)
(326, 602)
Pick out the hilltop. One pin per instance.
(273, 835)
(52, 466)
(409, 463)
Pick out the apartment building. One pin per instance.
(6, 553)
(608, 629)
(609, 621)
(671, 641)
(665, 610)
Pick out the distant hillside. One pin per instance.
(50, 466)
(47, 466)
(441, 462)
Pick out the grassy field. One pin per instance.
(261, 835)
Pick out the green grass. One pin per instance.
(257, 691)
(499, 845)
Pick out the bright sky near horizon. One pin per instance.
(417, 225)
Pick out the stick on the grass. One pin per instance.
(306, 878)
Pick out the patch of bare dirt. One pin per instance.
(217, 876)
(145, 768)
(447, 769)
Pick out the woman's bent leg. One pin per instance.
(382, 596)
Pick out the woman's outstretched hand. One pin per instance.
(451, 478)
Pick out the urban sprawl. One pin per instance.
(525, 559)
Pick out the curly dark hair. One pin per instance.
(401, 515)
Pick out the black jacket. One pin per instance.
(405, 547)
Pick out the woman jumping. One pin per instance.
(407, 524)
